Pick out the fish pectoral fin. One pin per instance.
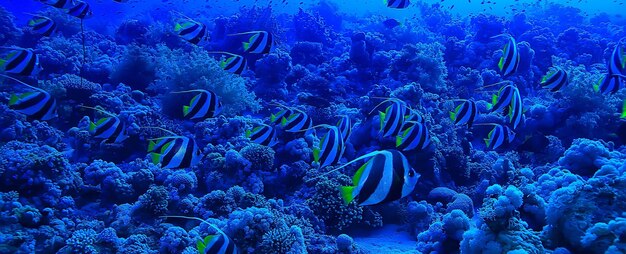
(346, 194)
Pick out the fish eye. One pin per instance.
(411, 173)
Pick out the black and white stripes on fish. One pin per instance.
(385, 177)
(19, 61)
(38, 105)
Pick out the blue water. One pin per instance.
(180, 126)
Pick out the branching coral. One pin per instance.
(178, 71)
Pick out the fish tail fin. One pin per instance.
(452, 115)
(623, 110)
(487, 142)
(248, 133)
(178, 27)
(246, 45)
(272, 118)
(346, 194)
(283, 121)
(185, 110)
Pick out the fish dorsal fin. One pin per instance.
(192, 91)
(245, 33)
(19, 81)
(195, 218)
(102, 120)
(383, 102)
(371, 154)
(99, 110)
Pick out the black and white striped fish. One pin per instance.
(345, 127)
(38, 105)
(503, 98)
(216, 244)
(191, 30)
(80, 9)
(415, 135)
(555, 80)
(261, 42)
(61, 4)
(392, 119)
(235, 64)
(278, 116)
(498, 136)
(331, 147)
(22, 62)
(617, 63)
(110, 128)
(263, 135)
(414, 116)
(385, 177)
(297, 122)
(397, 4)
(609, 84)
(464, 113)
(204, 105)
(178, 152)
(516, 110)
(42, 25)
(212, 244)
(509, 62)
